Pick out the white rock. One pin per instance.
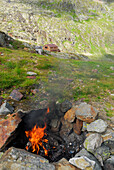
(6, 109)
(82, 162)
(30, 73)
(97, 126)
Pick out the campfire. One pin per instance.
(36, 138)
(45, 132)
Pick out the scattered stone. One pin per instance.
(102, 153)
(95, 71)
(31, 77)
(92, 142)
(20, 159)
(7, 126)
(78, 126)
(109, 163)
(70, 115)
(84, 152)
(63, 164)
(30, 73)
(39, 51)
(112, 68)
(16, 95)
(34, 91)
(6, 108)
(86, 113)
(82, 162)
(99, 126)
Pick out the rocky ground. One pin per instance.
(69, 25)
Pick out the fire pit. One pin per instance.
(45, 132)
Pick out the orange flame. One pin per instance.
(47, 110)
(36, 138)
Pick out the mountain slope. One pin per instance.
(80, 26)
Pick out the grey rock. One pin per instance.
(84, 152)
(97, 126)
(110, 143)
(6, 108)
(92, 142)
(65, 106)
(21, 159)
(102, 153)
(109, 163)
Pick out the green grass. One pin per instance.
(87, 84)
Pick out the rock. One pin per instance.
(4, 38)
(20, 159)
(55, 124)
(92, 142)
(109, 163)
(63, 164)
(97, 126)
(31, 77)
(1, 100)
(70, 115)
(112, 68)
(84, 152)
(30, 73)
(102, 153)
(110, 142)
(39, 51)
(82, 162)
(107, 137)
(65, 106)
(7, 127)
(78, 126)
(94, 70)
(86, 113)
(65, 129)
(1, 153)
(6, 108)
(16, 95)
(84, 128)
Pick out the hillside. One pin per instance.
(75, 26)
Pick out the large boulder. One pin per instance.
(4, 39)
(86, 113)
(20, 159)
